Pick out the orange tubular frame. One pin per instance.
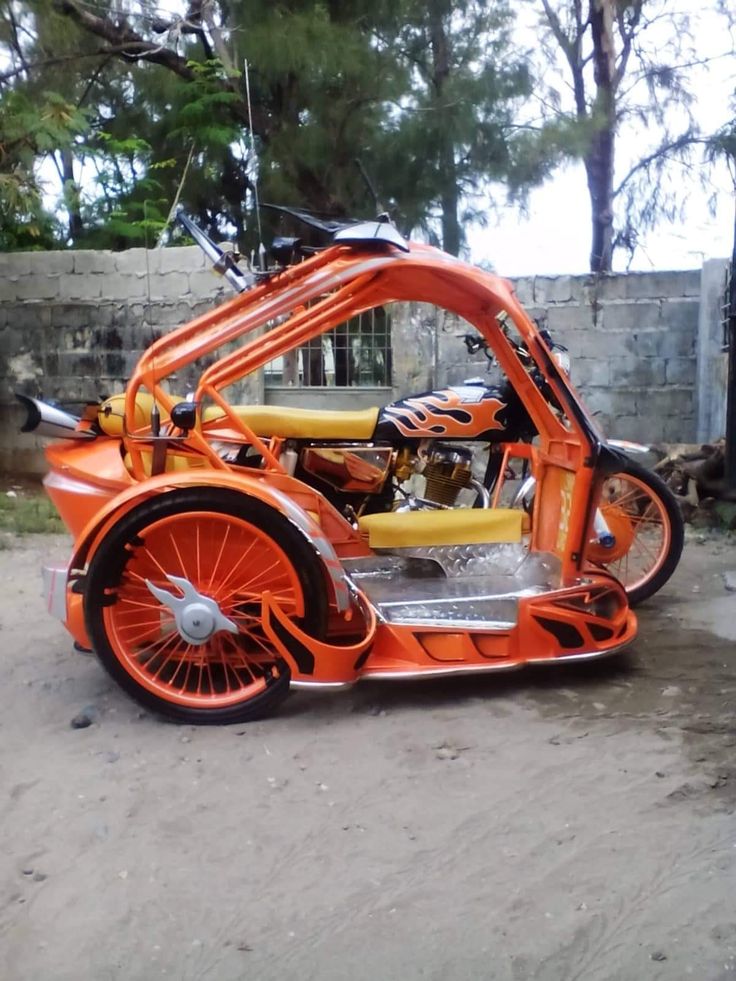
(295, 306)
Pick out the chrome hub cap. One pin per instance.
(197, 617)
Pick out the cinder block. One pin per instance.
(132, 262)
(591, 372)
(680, 371)
(552, 289)
(169, 286)
(606, 287)
(58, 263)
(654, 285)
(671, 402)
(182, 258)
(630, 316)
(636, 373)
(524, 289)
(660, 343)
(680, 314)
(29, 316)
(569, 317)
(85, 287)
(204, 283)
(37, 288)
(678, 429)
(88, 262)
(16, 264)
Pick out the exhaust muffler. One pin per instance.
(44, 419)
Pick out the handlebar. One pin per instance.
(223, 262)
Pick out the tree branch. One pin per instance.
(672, 146)
(127, 41)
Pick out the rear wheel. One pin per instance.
(645, 520)
(173, 603)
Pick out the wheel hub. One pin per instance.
(197, 617)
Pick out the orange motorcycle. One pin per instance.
(225, 552)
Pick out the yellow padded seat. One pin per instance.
(461, 526)
(290, 423)
(265, 420)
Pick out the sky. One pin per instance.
(554, 236)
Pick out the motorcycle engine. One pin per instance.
(447, 471)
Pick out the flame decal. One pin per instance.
(444, 414)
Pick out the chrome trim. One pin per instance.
(482, 492)
(459, 669)
(628, 447)
(303, 685)
(368, 232)
(525, 490)
(197, 616)
(49, 420)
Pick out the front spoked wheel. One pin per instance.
(646, 523)
(173, 603)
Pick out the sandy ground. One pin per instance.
(555, 824)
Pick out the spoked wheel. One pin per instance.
(645, 520)
(173, 603)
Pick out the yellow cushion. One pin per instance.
(111, 413)
(290, 423)
(461, 526)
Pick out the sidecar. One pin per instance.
(209, 575)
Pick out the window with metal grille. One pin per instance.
(354, 354)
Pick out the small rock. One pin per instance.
(10, 493)
(246, 948)
(659, 956)
(659, 773)
(729, 580)
(39, 877)
(27, 871)
(446, 753)
(671, 691)
(85, 718)
(123, 874)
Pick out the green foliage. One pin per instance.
(350, 104)
(28, 510)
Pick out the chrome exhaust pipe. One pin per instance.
(44, 419)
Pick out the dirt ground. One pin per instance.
(555, 824)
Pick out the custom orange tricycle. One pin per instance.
(225, 552)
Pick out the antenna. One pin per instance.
(261, 248)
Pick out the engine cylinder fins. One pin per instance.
(448, 471)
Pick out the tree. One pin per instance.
(356, 105)
(627, 63)
(454, 130)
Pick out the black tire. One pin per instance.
(649, 496)
(110, 573)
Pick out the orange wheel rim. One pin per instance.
(638, 520)
(226, 559)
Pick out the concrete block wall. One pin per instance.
(633, 344)
(72, 325)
